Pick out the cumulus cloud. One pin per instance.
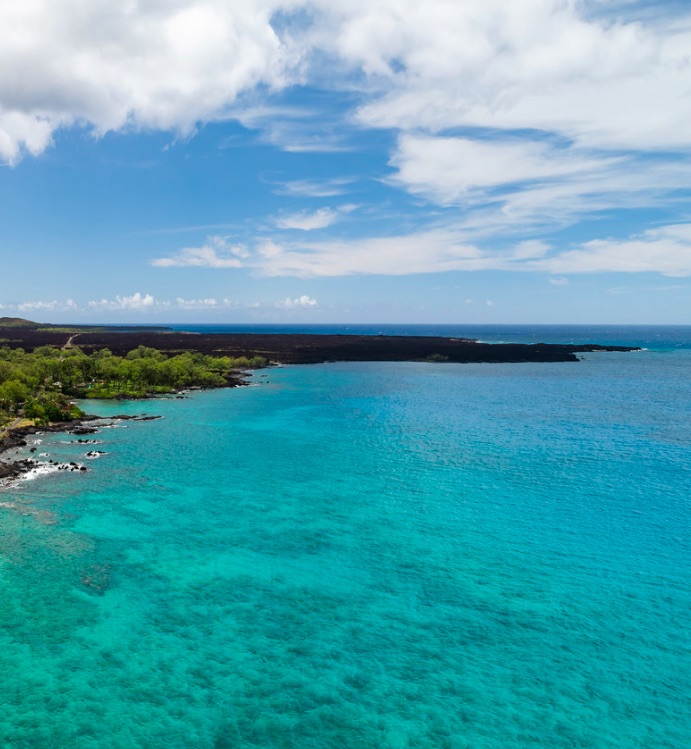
(209, 303)
(124, 65)
(600, 80)
(47, 306)
(605, 82)
(137, 301)
(301, 302)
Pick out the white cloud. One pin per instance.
(123, 65)
(146, 302)
(600, 80)
(315, 188)
(450, 170)
(556, 108)
(540, 64)
(216, 253)
(137, 301)
(427, 252)
(520, 183)
(294, 129)
(301, 302)
(52, 305)
(529, 249)
(209, 303)
(666, 250)
(309, 221)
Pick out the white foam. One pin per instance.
(44, 469)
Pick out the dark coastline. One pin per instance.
(289, 348)
(276, 349)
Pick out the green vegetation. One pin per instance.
(39, 385)
(17, 322)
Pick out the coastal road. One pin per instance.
(11, 426)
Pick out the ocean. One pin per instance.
(366, 555)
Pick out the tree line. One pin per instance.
(38, 385)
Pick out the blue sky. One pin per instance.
(381, 161)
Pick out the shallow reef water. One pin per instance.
(400, 556)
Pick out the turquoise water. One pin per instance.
(363, 555)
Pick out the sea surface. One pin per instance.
(365, 555)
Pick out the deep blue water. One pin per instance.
(364, 555)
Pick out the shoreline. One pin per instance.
(278, 349)
(15, 439)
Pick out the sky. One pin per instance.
(323, 161)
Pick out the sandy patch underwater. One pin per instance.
(361, 555)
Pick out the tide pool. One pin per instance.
(363, 555)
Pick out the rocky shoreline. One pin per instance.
(13, 470)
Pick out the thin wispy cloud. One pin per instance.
(308, 221)
(666, 251)
(312, 188)
(311, 220)
(295, 129)
(216, 253)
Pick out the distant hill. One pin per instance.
(17, 322)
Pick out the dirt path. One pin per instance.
(7, 429)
